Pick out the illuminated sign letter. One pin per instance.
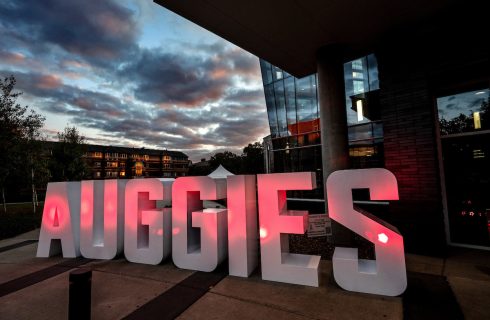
(242, 225)
(386, 275)
(199, 236)
(275, 224)
(144, 228)
(101, 218)
(61, 218)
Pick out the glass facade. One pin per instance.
(361, 85)
(464, 124)
(292, 108)
(293, 111)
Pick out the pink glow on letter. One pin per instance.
(61, 220)
(277, 222)
(263, 233)
(101, 222)
(242, 225)
(142, 243)
(382, 238)
(189, 249)
(386, 275)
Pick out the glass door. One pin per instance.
(464, 122)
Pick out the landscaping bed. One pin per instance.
(19, 219)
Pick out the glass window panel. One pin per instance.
(360, 132)
(294, 156)
(357, 64)
(276, 73)
(366, 133)
(373, 72)
(265, 68)
(306, 102)
(271, 109)
(466, 164)
(378, 130)
(290, 105)
(464, 112)
(293, 141)
(280, 158)
(279, 143)
(361, 77)
(467, 181)
(366, 156)
(358, 86)
(281, 109)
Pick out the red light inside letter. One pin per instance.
(263, 233)
(382, 238)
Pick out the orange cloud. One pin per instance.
(12, 57)
(219, 73)
(49, 82)
(74, 64)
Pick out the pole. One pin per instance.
(80, 294)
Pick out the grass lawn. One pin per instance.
(19, 219)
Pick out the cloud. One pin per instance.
(167, 78)
(239, 95)
(67, 99)
(82, 60)
(93, 29)
(243, 63)
(11, 57)
(49, 82)
(192, 78)
(198, 132)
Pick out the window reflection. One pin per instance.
(276, 73)
(290, 105)
(280, 108)
(307, 104)
(293, 111)
(464, 112)
(465, 142)
(265, 68)
(372, 67)
(271, 109)
(361, 83)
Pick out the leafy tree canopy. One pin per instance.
(20, 132)
(67, 156)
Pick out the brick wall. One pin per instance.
(411, 154)
(416, 65)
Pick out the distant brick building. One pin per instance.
(108, 162)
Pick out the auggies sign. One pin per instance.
(101, 219)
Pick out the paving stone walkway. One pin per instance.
(37, 288)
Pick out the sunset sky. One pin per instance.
(131, 73)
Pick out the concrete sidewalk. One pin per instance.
(119, 288)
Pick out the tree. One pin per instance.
(464, 123)
(227, 159)
(38, 170)
(253, 158)
(459, 124)
(485, 114)
(18, 128)
(251, 161)
(67, 163)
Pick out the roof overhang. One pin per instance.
(289, 33)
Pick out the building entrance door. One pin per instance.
(465, 148)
